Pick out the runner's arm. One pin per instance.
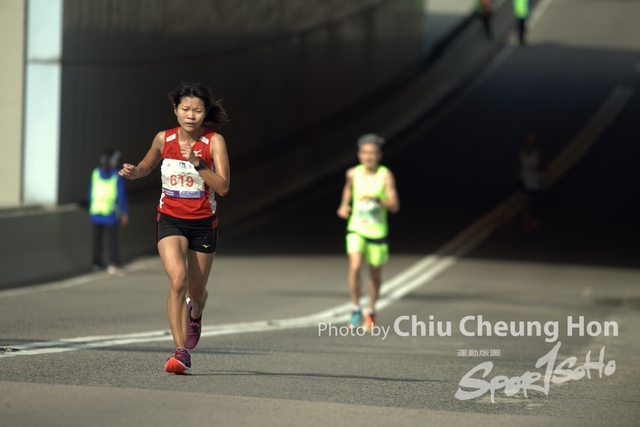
(219, 180)
(391, 202)
(347, 193)
(148, 163)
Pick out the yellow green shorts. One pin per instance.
(376, 254)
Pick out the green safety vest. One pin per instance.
(368, 219)
(521, 8)
(104, 193)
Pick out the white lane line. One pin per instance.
(393, 290)
(538, 11)
(400, 285)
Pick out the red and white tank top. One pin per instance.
(185, 195)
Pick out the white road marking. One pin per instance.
(537, 12)
(393, 290)
(414, 277)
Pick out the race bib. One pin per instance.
(180, 179)
(368, 211)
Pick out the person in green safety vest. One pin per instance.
(107, 208)
(521, 10)
(369, 193)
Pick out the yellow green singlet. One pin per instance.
(367, 228)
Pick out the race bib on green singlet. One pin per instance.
(368, 212)
(180, 179)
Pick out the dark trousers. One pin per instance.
(521, 30)
(486, 24)
(112, 242)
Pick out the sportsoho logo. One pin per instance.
(475, 382)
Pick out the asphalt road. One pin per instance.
(263, 359)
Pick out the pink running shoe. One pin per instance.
(194, 329)
(179, 363)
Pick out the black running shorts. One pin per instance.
(202, 234)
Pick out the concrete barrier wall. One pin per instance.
(42, 244)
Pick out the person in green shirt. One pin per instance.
(368, 194)
(521, 10)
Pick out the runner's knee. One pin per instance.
(178, 283)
